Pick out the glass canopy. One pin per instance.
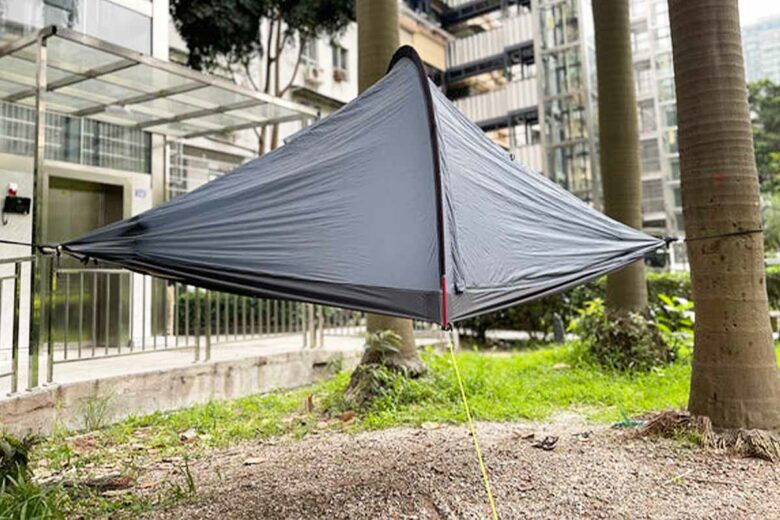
(87, 77)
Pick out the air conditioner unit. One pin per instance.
(312, 75)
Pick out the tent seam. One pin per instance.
(410, 53)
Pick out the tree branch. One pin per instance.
(294, 72)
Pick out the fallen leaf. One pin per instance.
(427, 425)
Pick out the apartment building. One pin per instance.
(325, 79)
(95, 126)
(761, 42)
(520, 69)
(651, 46)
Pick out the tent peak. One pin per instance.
(406, 51)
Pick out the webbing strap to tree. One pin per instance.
(473, 430)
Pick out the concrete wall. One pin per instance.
(63, 406)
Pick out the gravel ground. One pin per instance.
(431, 472)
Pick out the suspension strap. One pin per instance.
(46, 249)
(671, 239)
(473, 431)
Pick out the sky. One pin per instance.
(750, 11)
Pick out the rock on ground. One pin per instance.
(432, 473)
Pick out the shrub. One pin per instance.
(773, 286)
(14, 457)
(535, 318)
(622, 340)
(674, 318)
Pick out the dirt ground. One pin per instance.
(431, 473)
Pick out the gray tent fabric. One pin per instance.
(395, 204)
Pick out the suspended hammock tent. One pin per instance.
(395, 204)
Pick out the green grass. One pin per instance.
(21, 499)
(501, 386)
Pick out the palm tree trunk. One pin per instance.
(377, 41)
(619, 142)
(735, 381)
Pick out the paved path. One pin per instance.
(102, 366)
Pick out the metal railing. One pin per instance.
(11, 279)
(104, 312)
(515, 95)
(514, 29)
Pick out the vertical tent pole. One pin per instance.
(36, 265)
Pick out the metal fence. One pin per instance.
(103, 312)
(100, 312)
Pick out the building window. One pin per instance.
(663, 63)
(677, 196)
(670, 115)
(663, 37)
(650, 158)
(102, 19)
(644, 78)
(646, 117)
(340, 62)
(666, 89)
(670, 141)
(309, 52)
(640, 41)
(64, 13)
(76, 140)
(674, 167)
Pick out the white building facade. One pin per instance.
(761, 42)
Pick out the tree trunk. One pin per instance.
(735, 382)
(619, 142)
(377, 41)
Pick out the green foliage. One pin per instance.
(383, 342)
(96, 411)
(764, 98)
(535, 317)
(622, 340)
(773, 286)
(674, 318)
(23, 499)
(15, 456)
(770, 216)
(228, 31)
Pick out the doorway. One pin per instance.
(92, 302)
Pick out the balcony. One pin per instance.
(514, 30)
(498, 103)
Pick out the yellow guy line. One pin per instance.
(473, 432)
